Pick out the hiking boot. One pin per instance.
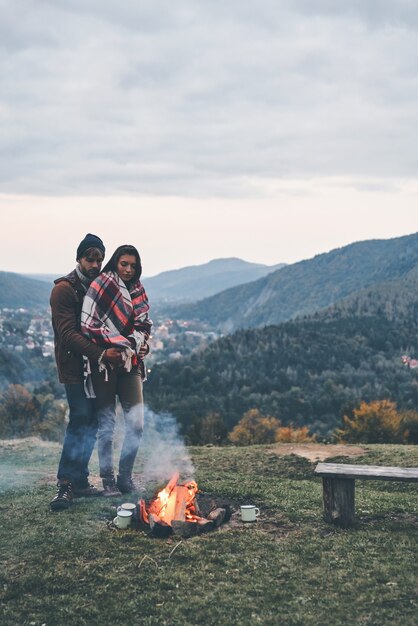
(84, 490)
(110, 489)
(64, 497)
(125, 484)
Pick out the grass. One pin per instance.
(289, 568)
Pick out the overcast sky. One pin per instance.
(271, 130)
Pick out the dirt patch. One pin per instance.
(317, 451)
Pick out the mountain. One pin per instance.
(17, 291)
(308, 371)
(195, 282)
(48, 278)
(307, 286)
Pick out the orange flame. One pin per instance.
(173, 502)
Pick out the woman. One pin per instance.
(115, 315)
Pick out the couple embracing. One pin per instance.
(101, 332)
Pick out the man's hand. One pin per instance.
(113, 355)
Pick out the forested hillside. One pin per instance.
(189, 284)
(308, 286)
(27, 367)
(308, 371)
(17, 291)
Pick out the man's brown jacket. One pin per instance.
(70, 345)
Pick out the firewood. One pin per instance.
(205, 525)
(172, 482)
(143, 515)
(196, 508)
(185, 529)
(164, 504)
(159, 528)
(217, 516)
(182, 496)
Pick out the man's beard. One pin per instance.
(91, 274)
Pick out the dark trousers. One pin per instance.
(80, 436)
(128, 387)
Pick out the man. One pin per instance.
(70, 347)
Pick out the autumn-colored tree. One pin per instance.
(374, 422)
(254, 428)
(23, 414)
(52, 423)
(289, 434)
(410, 424)
(213, 429)
(19, 412)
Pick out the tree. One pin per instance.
(410, 424)
(375, 422)
(23, 414)
(51, 424)
(19, 412)
(289, 434)
(213, 429)
(254, 428)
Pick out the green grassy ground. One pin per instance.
(289, 568)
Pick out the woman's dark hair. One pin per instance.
(111, 265)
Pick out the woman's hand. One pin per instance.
(143, 351)
(113, 355)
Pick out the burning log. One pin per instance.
(182, 498)
(143, 514)
(163, 505)
(175, 510)
(159, 528)
(196, 508)
(205, 525)
(184, 529)
(217, 516)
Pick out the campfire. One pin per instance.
(175, 510)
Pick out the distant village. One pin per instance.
(171, 339)
(22, 328)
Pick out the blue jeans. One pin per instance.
(128, 387)
(80, 437)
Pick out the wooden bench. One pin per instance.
(338, 486)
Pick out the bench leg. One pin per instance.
(338, 500)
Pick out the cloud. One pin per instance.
(195, 98)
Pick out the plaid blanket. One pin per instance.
(113, 316)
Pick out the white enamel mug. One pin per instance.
(123, 519)
(127, 506)
(249, 513)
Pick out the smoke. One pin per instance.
(13, 478)
(163, 451)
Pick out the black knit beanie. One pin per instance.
(89, 241)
